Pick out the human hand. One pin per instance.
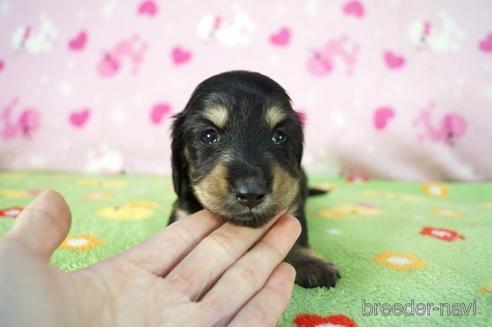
(197, 271)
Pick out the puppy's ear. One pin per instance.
(179, 164)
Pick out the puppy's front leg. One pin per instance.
(311, 270)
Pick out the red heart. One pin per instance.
(2, 65)
(313, 320)
(393, 61)
(281, 38)
(79, 118)
(78, 42)
(180, 55)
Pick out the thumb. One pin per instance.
(43, 224)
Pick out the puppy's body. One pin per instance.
(236, 150)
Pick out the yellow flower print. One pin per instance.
(447, 213)
(134, 210)
(102, 183)
(435, 190)
(342, 211)
(486, 290)
(399, 261)
(486, 205)
(14, 193)
(97, 195)
(81, 243)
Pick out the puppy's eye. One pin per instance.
(279, 138)
(209, 136)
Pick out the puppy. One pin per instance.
(236, 150)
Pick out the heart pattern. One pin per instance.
(382, 116)
(281, 38)
(133, 64)
(180, 55)
(159, 112)
(148, 8)
(80, 117)
(78, 42)
(486, 44)
(354, 8)
(393, 61)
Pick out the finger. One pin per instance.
(213, 255)
(266, 307)
(249, 274)
(165, 249)
(43, 224)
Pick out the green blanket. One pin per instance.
(409, 253)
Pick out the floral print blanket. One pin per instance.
(409, 253)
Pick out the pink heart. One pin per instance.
(158, 112)
(180, 55)
(148, 8)
(486, 44)
(78, 42)
(393, 61)
(2, 65)
(354, 8)
(79, 118)
(382, 116)
(281, 38)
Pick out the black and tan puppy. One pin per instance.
(236, 150)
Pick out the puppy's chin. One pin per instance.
(251, 219)
(231, 211)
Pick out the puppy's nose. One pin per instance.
(250, 199)
(249, 194)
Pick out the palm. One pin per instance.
(207, 276)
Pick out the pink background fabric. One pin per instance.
(394, 89)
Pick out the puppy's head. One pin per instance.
(237, 148)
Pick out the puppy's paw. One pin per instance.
(311, 270)
(314, 272)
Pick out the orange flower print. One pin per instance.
(435, 190)
(81, 243)
(447, 213)
(400, 261)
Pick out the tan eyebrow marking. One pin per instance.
(274, 115)
(217, 115)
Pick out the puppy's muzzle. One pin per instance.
(249, 192)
